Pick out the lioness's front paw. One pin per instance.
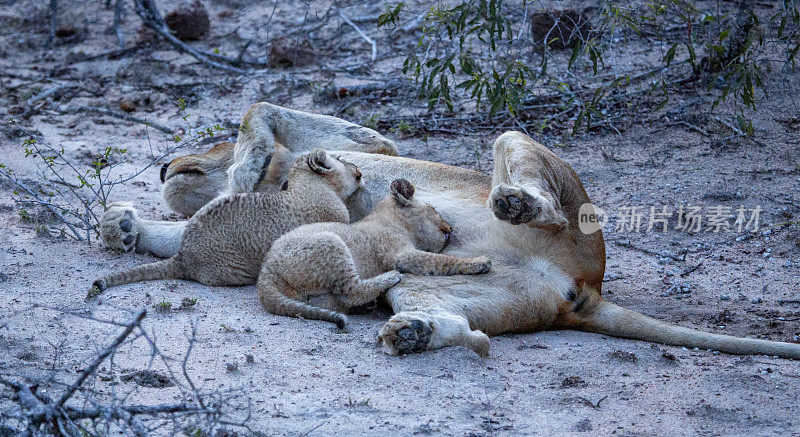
(403, 335)
(119, 226)
(516, 206)
(477, 266)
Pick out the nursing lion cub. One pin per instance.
(355, 263)
(226, 241)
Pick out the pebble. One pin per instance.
(756, 300)
(725, 297)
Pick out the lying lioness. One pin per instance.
(546, 273)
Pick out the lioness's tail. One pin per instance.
(164, 269)
(608, 318)
(279, 304)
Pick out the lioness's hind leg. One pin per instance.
(524, 181)
(417, 331)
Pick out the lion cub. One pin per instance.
(226, 241)
(353, 264)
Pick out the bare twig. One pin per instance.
(136, 322)
(360, 32)
(29, 104)
(110, 113)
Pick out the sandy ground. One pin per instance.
(305, 377)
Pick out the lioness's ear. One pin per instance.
(318, 161)
(402, 191)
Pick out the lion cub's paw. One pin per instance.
(516, 206)
(477, 266)
(119, 226)
(402, 335)
(388, 280)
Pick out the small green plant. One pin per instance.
(353, 403)
(164, 306)
(371, 121)
(403, 128)
(188, 303)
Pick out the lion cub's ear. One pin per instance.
(402, 191)
(319, 162)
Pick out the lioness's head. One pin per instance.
(428, 229)
(191, 181)
(343, 177)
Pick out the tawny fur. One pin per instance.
(355, 263)
(546, 274)
(226, 241)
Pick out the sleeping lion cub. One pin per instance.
(226, 241)
(353, 264)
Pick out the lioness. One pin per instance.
(226, 241)
(546, 273)
(356, 263)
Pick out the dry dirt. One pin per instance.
(306, 378)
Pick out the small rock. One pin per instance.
(668, 356)
(756, 300)
(148, 378)
(231, 367)
(128, 105)
(287, 53)
(583, 425)
(189, 21)
(725, 297)
(624, 356)
(66, 31)
(573, 381)
(249, 359)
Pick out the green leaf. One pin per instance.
(575, 52)
(670, 54)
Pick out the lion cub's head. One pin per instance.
(428, 229)
(341, 176)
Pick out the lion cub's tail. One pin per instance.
(164, 269)
(279, 304)
(610, 319)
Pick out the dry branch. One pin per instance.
(110, 113)
(148, 12)
(360, 32)
(100, 358)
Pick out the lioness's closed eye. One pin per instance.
(353, 264)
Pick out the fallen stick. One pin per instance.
(117, 22)
(360, 32)
(151, 17)
(110, 113)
